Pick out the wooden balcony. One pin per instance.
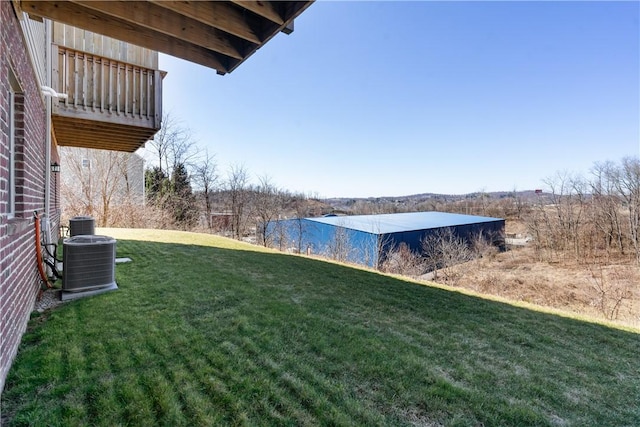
(110, 105)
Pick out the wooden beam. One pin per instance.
(220, 15)
(91, 134)
(165, 21)
(288, 29)
(293, 10)
(101, 23)
(80, 128)
(261, 8)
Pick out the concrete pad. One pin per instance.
(68, 296)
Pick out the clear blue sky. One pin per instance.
(396, 98)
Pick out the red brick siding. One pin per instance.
(18, 273)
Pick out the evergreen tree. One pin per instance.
(156, 184)
(182, 199)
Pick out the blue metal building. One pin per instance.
(365, 239)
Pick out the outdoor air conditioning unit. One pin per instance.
(89, 263)
(81, 225)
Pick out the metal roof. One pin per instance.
(397, 223)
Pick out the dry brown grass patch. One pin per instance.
(605, 292)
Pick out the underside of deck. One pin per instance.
(74, 132)
(216, 34)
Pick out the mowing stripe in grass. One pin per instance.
(208, 334)
(257, 370)
(167, 407)
(313, 401)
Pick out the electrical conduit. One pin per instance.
(39, 260)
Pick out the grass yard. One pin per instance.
(207, 331)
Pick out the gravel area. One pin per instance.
(49, 299)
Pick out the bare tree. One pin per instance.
(565, 215)
(79, 195)
(538, 226)
(628, 186)
(340, 247)
(606, 206)
(95, 180)
(301, 210)
(268, 203)
(238, 188)
(172, 145)
(129, 211)
(168, 180)
(279, 235)
(484, 201)
(205, 176)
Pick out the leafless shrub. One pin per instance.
(612, 290)
(443, 250)
(484, 245)
(340, 247)
(402, 260)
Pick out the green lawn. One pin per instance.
(207, 331)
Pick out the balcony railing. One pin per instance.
(103, 89)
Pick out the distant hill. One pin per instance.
(526, 194)
(417, 198)
(427, 201)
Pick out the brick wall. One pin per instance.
(19, 280)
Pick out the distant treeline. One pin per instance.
(596, 216)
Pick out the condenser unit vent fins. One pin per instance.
(89, 262)
(79, 225)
